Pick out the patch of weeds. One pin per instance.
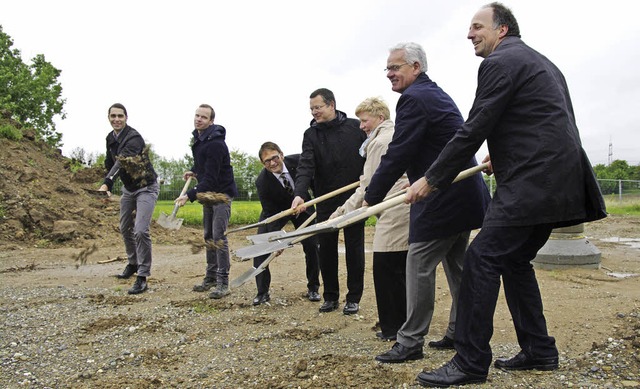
(42, 243)
(10, 132)
(203, 308)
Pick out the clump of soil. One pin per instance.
(45, 204)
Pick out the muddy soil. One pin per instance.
(68, 326)
(66, 322)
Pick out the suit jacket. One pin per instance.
(426, 119)
(275, 199)
(523, 110)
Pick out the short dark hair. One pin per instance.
(268, 146)
(118, 105)
(327, 96)
(213, 113)
(502, 15)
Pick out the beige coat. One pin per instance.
(392, 226)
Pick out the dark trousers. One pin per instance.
(354, 246)
(389, 280)
(215, 219)
(506, 252)
(310, 248)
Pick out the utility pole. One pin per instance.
(610, 152)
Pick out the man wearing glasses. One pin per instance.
(330, 156)
(275, 185)
(440, 226)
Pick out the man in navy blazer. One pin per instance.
(275, 190)
(439, 227)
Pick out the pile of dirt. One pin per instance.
(45, 204)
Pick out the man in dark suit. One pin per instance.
(275, 190)
(523, 111)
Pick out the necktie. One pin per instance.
(287, 185)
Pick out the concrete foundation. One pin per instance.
(567, 247)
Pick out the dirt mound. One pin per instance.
(45, 204)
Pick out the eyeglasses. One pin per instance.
(395, 68)
(317, 107)
(275, 158)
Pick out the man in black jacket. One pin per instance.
(127, 158)
(330, 156)
(523, 110)
(212, 168)
(275, 190)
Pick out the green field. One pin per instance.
(248, 212)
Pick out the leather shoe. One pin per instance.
(328, 306)
(261, 298)
(313, 296)
(382, 336)
(445, 344)
(523, 362)
(139, 286)
(400, 353)
(447, 375)
(128, 271)
(350, 308)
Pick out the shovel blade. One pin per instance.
(243, 278)
(169, 222)
(266, 237)
(262, 248)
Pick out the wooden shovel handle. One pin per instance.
(311, 202)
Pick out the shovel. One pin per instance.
(171, 222)
(279, 242)
(290, 211)
(254, 271)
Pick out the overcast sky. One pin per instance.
(256, 62)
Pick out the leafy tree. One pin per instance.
(32, 92)
(619, 170)
(245, 171)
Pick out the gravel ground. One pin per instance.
(68, 327)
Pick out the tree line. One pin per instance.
(31, 97)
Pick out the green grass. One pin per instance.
(248, 212)
(626, 206)
(242, 212)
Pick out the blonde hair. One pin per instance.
(374, 106)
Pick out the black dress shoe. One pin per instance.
(350, 308)
(261, 299)
(139, 286)
(523, 362)
(384, 337)
(445, 344)
(313, 296)
(328, 306)
(448, 375)
(400, 353)
(128, 271)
